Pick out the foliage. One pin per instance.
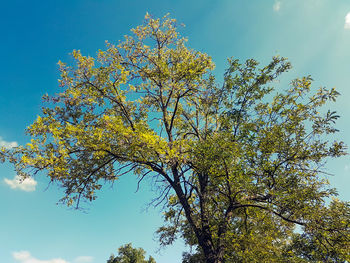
(128, 254)
(238, 165)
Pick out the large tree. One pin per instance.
(238, 164)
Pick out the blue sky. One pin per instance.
(313, 34)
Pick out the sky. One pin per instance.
(35, 35)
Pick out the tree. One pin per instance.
(237, 165)
(128, 254)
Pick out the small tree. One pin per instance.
(128, 254)
(238, 165)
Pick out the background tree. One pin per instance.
(128, 254)
(237, 165)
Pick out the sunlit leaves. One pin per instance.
(237, 164)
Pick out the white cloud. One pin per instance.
(84, 259)
(277, 6)
(347, 21)
(26, 257)
(7, 145)
(27, 184)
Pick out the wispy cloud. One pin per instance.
(7, 145)
(26, 257)
(28, 184)
(347, 21)
(276, 6)
(84, 259)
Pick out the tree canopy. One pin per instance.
(128, 254)
(238, 165)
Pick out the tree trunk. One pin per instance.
(202, 233)
(211, 254)
(212, 257)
